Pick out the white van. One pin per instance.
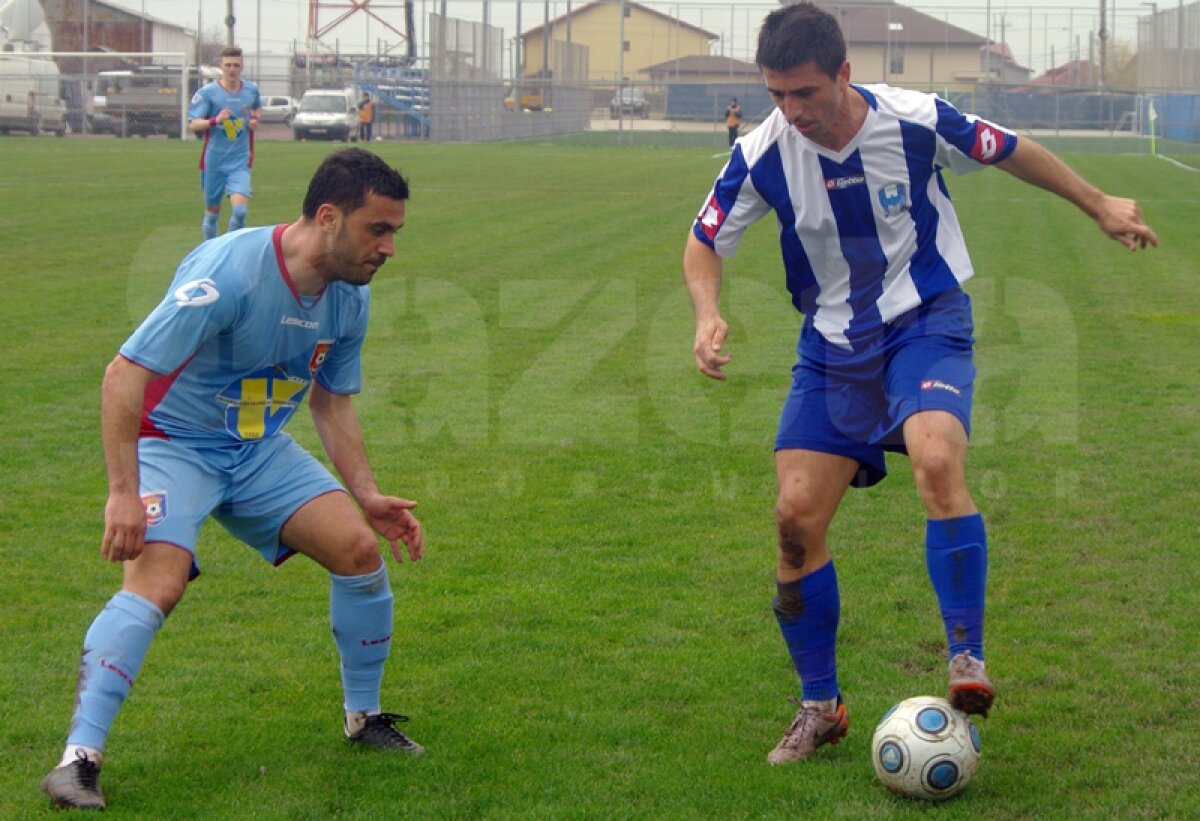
(30, 97)
(326, 114)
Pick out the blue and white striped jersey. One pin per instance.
(867, 233)
(237, 347)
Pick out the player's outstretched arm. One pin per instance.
(702, 270)
(1118, 217)
(391, 517)
(122, 395)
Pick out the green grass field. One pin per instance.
(590, 634)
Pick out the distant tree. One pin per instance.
(1122, 65)
(209, 45)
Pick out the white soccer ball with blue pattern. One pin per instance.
(924, 748)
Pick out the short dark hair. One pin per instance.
(345, 178)
(230, 51)
(795, 35)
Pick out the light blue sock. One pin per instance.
(957, 559)
(808, 611)
(113, 650)
(209, 227)
(237, 219)
(360, 612)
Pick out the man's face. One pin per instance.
(231, 69)
(809, 98)
(358, 243)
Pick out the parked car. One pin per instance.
(30, 96)
(326, 114)
(631, 101)
(278, 110)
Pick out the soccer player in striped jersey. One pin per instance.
(875, 260)
(226, 114)
(192, 416)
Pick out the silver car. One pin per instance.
(277, 110)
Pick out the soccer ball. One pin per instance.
(924, 748)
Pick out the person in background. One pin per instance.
(226, 114)
(366, 118)
(733, 120)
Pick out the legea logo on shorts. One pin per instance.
(197, 293)
(155, 503)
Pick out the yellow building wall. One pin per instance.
(924, 66)
(652, 40)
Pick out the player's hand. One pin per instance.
(124, 527)
(224, 115)
(710, 340)
(1121, 219)
(392, 519)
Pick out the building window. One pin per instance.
(896, 64)
(628, 11)
(625, 46)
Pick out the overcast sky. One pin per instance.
(1033, 28)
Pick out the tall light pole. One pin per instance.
(1153, 40)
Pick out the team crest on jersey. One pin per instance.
(155, 504)
(197, 293)
(711, 217)
(318, 355)
(893, 198)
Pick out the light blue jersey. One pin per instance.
(228, 146)
(236, 346)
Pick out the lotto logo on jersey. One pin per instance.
(841, 183)
(318, 356)
(710, 218)
(939, 385)
(988, 140)
(156, 506)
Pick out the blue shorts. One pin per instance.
(251, 489)
(854, 403)
(218, 182)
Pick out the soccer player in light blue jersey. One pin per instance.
(225, 113)
(875, 260)
(192, 416)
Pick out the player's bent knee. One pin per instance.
(360, 554)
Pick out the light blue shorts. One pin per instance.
(219, 182)
(854, 403)
(251, 489)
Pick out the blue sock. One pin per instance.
(237, 219)
(360, 611)
(209, 226)
(808, 611)
(113, 650)
(956, 556)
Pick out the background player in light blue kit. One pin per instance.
(192, 415)
(874, 259)
(226, 114)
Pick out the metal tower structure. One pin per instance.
(347, 9)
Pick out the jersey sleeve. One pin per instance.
(255, 97)
(198, 107)
(198, 306)
(967, 143)
(732, 206)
